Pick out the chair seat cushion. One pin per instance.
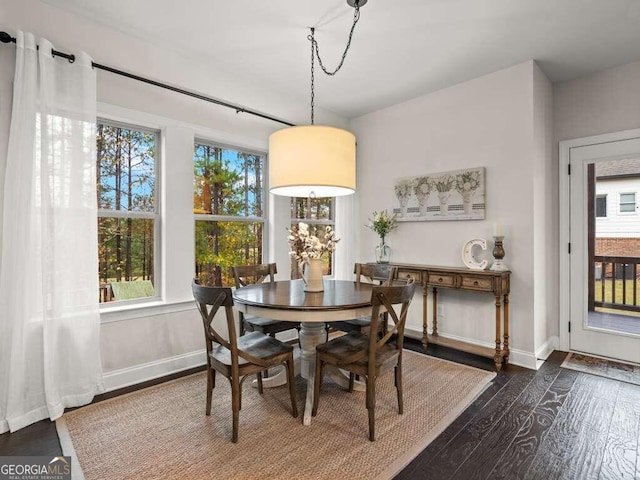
(254, 343)
(340, 348)
(360, 322)
(264, 322)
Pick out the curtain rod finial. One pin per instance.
(6, 38)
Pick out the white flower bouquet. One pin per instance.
(305, 245)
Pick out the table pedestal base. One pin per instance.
(311, 334)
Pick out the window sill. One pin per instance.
(140, 310)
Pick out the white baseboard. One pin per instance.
(518, 357)
(548, 347)
(148, 371)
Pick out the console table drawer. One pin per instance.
(444, 280)
(415, 274)
(477, 283)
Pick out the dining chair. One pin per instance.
(244, 275)
(367, 355)
(376, 273)
(238, 357)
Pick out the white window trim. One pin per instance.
(174, 301)
(635, 202)
(264, 219)
(606, 206)
(156, 215)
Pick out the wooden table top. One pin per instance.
(290, 295)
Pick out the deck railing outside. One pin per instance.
(616, 283)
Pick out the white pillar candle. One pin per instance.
(498, 230)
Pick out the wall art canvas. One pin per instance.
(454, 195)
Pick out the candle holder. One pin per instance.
(498, 254)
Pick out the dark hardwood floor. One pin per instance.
(547, 424)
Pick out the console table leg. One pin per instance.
(435, 311)
(425, 338)
(505, 348)
(497, 358)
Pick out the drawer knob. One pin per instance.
(475, 284)
(440, 279)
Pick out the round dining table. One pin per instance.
(288, 301)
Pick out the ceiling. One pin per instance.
(401, 49)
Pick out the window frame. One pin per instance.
(156, 215)
(601, 196)
(331, 221)
(634, 203)
(199, 217)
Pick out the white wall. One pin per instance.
(486, 122)
(141, 343)
(545, 219)
(607, 101)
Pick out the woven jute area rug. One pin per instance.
(162, 432)
(603, 367)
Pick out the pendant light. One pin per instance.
(315, 160)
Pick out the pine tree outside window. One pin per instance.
(127, 211)
(228, 206)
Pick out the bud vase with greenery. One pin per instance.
(382, 223)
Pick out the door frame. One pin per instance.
(564, 200)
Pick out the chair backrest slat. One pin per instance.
(395, 300)
(377, 273)
(244, 275)
(209, 300)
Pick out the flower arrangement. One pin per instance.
(403, 190)
(305, 245)
(422, 187)
(444, 183)
(467, 181)
(382, 223)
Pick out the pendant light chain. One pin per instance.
(312, 72)
(315, 52)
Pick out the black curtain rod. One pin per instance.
(6, 38)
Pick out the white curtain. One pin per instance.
(49, 315)
(349, 232)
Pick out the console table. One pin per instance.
(466, 280)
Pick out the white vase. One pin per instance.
(443, 199)
(467, 201)
(312, 275)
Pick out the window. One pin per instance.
(601, 205)
(317, 213)
(627, 202)
(127, 211)
(228, 203)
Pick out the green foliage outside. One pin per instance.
(125, 192)
(227, 183)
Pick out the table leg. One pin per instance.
(497, 358)
(311, 334)
(505, 347)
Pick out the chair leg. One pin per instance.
(292, 386)
(371, 406)
(398, 372)
(316, 386)
(235, 405)
(259, 377)
(211, 382)
(352, 381)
